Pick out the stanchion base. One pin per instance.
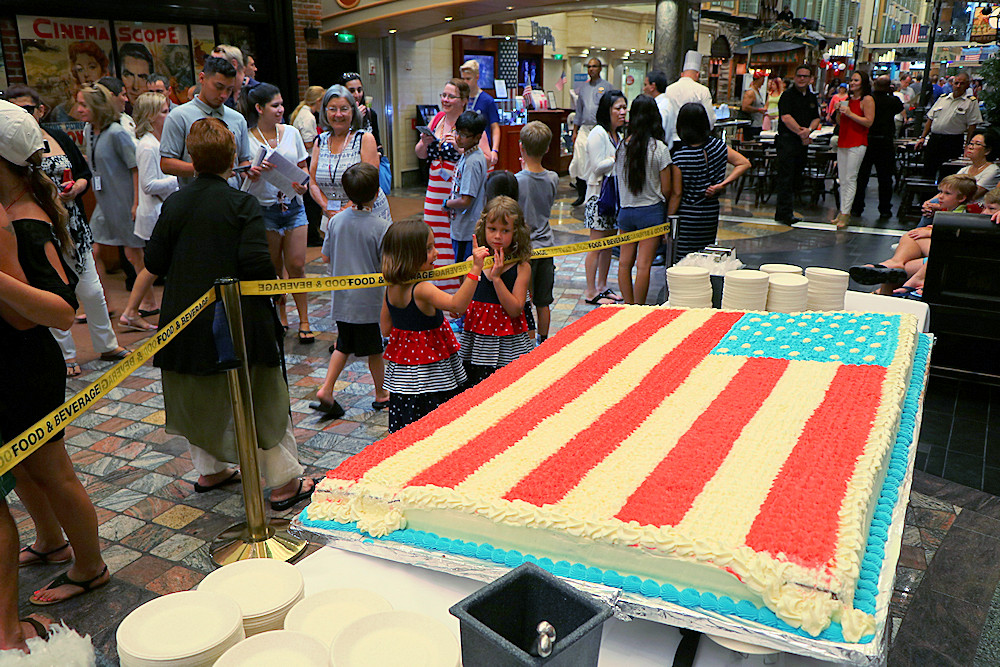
(235, 544)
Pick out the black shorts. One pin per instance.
(543, 275)
(361, 340)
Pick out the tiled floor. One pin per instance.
(155, 529)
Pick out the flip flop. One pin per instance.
(288, 503)
(597, 300)
(875, 274)
(149, 313)
(136, 324)
(40, 630)
(306, 337)
(42, 557)
(609, 294)
(85, 587)
(114, 355)
(73, 369)
(330, 410)
(232, 479)
(380, 405)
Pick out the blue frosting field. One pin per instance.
(871, 567)
(847, 338)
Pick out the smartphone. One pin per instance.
(423, 129)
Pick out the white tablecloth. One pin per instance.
(407, 587)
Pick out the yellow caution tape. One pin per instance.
(299, 285)
(16, 450)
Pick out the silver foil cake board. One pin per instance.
(632, 605)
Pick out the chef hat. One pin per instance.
(692, 60)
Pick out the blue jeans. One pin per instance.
(462, 249)
(276, 220)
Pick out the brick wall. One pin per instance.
(306, 14)
(11, 50)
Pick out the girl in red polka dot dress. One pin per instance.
(423, 369)
(495, 331)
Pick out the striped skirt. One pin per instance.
(438, 191)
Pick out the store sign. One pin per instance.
(984, 26)
(61, 56)
(147, 48)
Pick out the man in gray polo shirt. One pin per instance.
(588, 96)
(217, 79)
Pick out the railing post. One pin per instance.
(256, 537)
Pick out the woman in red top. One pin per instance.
(855, 115)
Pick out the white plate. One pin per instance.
(738, 646)
(325, 614)
(781, 268)
(278, 648)
(260, 586)
(179, 625)
(395, 639)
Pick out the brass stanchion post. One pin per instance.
(256, 537)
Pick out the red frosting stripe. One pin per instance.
(355, 467)
(666, 495)
(801, 514)
(562, 471)
(454, 468)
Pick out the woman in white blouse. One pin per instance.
(982, 151)
(149, 112)
(303, 118)
(284, 214)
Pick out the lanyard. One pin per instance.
(333, 170)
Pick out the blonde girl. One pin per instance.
(495, 331)
(422, 367)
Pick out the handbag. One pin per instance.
(607, 201)
(384, 175)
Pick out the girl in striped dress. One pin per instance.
(422, 369)
(702, 160)
(495, 331)
(443, 155)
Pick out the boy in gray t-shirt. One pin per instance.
(353, 245)
(536, 188)
(467, 199)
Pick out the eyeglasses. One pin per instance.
(976, 143)
(446, 96)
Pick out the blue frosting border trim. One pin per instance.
(871, 566)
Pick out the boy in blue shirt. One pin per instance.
(353, 245)
(536, 193)
(465, 204)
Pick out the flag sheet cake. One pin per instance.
(736, 455)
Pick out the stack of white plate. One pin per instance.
(277, 648)
(690, 287)
(781, 268)
(745, 289)
(264, 589)
(325, 614)
(188, 629)
(787, 293)
(826, 288)
(396, 638)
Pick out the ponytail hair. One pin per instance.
(261, 94)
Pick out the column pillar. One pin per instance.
(675, 32)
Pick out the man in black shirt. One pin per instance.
(798, 111)
(881, 151)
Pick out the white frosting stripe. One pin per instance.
(609, 485)
(727, 507)
(496, 477)
(404, 465)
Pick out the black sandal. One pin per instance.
(88, 586)
(300, 495)
(40, 630)
(876, 274)
(232, 479)
(42, 557)
(306, 337)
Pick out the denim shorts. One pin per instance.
(641, 217)
(276, 220)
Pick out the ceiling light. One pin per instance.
(510, 8)
(392, 31)
(448, 18)
(604, 48)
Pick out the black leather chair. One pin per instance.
(962, 288)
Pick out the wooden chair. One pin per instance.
(821, 166)
(758, 176)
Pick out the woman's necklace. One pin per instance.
(264, 140)
(16, 199)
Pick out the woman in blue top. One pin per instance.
(484, 104)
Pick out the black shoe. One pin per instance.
(885, 216)
(788, 221)
(581, 192)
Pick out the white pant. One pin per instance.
(279, 465)
(578, 166)
(90, 292)
(848, 164)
